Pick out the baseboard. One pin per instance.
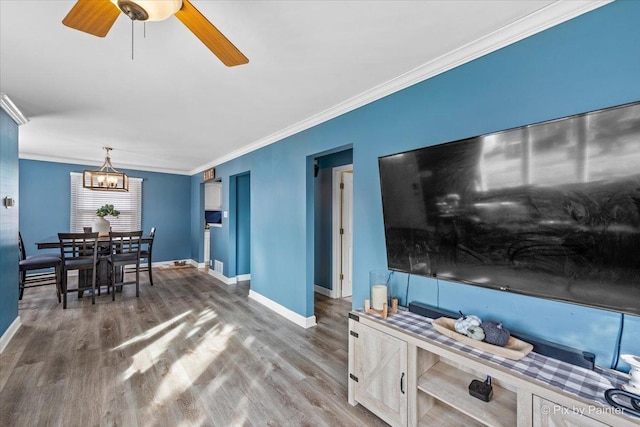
(305, 322)
(324, 291)
(9, 333)
(243, 277)
(162, 263)
(222, 277)
(157, 264)
(196, 264)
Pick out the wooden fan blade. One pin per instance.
(92, 16)
(210, 35)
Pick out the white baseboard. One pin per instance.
(9, 333)
(305, 322)
(157, 264)
(161, 263)
(195, 263)
(243, 277)
(324, 291)
(222, 277)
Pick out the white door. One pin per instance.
(347, 233)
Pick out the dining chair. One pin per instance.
(37, 262)
(78, 252)
(125, 250)
(146, 254)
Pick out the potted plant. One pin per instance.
(101, 225)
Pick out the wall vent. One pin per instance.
(217, 266)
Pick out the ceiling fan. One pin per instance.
(97, 16)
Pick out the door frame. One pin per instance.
(336, 285)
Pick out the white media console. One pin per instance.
(407, 373)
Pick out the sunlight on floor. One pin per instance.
(193, 331)
(205, 316)
(192, 364)
(147, 357)
(151, 332)
(241, 412)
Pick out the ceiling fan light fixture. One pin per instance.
(96, 17)
(148, 10)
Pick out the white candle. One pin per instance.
(378, 296)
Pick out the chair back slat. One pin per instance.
(78, 245)
(152, 235)
(125, 242)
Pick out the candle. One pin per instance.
(378, 296)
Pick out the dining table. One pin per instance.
(102, 268)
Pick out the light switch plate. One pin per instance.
(8, 202)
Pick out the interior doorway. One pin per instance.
(332, 212)
(342, 231)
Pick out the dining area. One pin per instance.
(87, 262)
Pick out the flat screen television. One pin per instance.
(549, 210)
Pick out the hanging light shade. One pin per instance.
(106, 178)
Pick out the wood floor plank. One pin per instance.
(190, 351)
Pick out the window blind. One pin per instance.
(85, 202)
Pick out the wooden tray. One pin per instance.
(514, 350)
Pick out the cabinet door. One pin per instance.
(213, 196)
(380, 365)
(550, 414)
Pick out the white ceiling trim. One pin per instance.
(544, 18)
(98, 162)
(12, 110)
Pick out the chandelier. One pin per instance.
(106, 178)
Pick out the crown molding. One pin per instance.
(538, 21)
(12, 110)
(94, 162)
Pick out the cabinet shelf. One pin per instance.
(442, 415)
(451, 386)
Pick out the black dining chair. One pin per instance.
(78, 251)
(125, 250)
(37, 262)
(145, 253)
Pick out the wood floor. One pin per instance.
(191, 351)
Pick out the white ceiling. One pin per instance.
(177, 108)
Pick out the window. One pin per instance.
(84, 203)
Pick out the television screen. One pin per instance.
(549, 210)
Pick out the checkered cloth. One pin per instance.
(581, 382)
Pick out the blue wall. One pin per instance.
(243, 224)
(588, 63)
(197, 218)
(323, 213)
(8, 221)
(45, 196)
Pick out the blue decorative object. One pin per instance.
(495, 333)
